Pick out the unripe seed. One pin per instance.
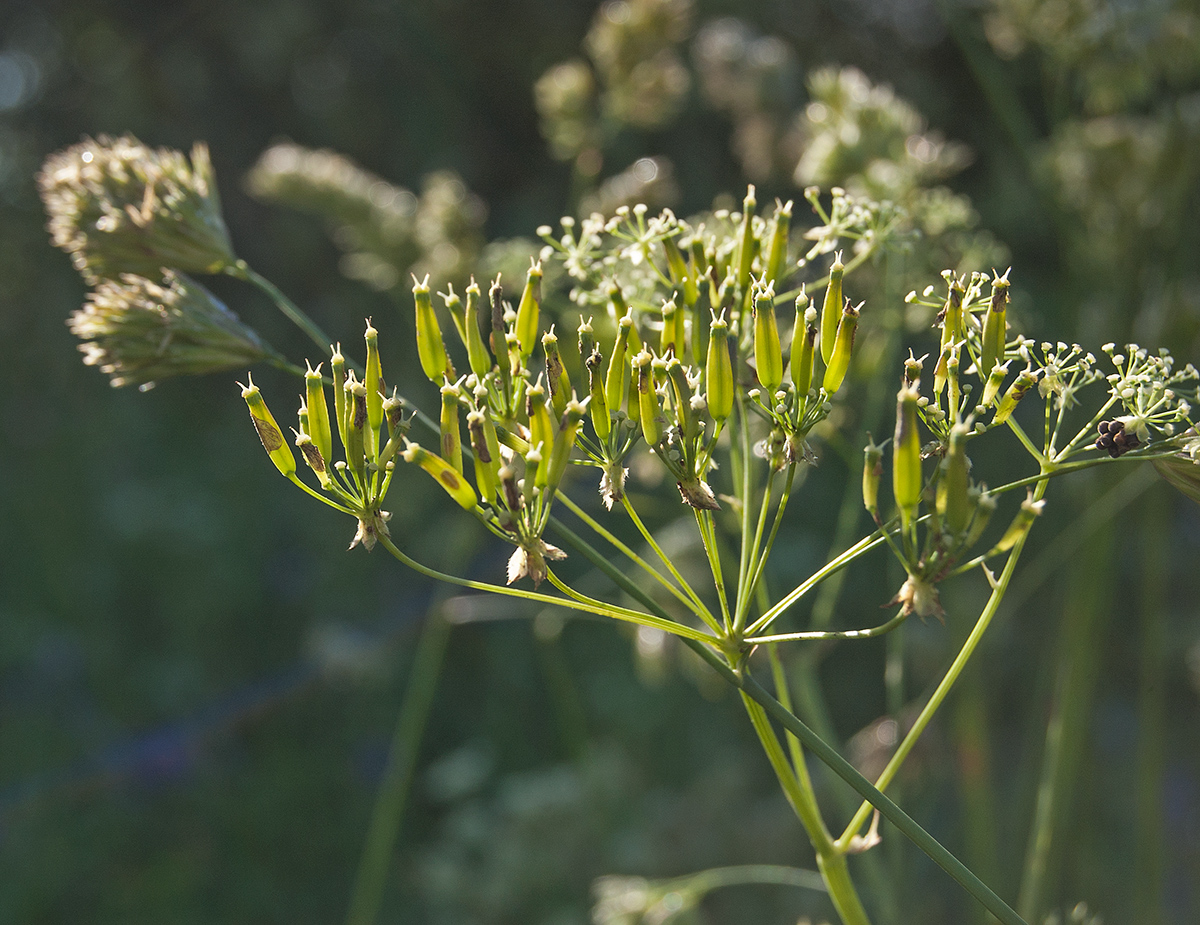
(906, 456)
(445, 475)
(831, 308)
(718, 371)
(430, 347)
(839, 362)
(268, 431)
(528, 311)
(319, 427)
(768, 353)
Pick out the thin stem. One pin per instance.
(754, 562)
(947, 682)
(241, 270)
(780, 508)
(693, 599)
(745, 554)
(770, 874)
(904, 823)
(709, 539)
(587, 605)
(687, 597)
(826, 635)
(388, 811)
(838, 562)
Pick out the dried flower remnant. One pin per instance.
(117, 206)
(138, 331)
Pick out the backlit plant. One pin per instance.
(712, 346)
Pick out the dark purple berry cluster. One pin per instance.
(1114, 439)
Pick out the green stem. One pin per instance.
(241, 270)
(904, 823)
(824, 635)
(952, 674)
(687, 597)
(587, 605)
(755, 562)
(706, 881)
(388, 811)
(709, 538)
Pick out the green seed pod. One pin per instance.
(777, 252)
(268, 431)
(356, 425)
(430, 347)
(508, 486)
(541, 425)
(620, 309)
(337, 371)
(839, 362)
(302, 416)
(486, 450)
(598, 406)
(564, 442)
(648, 404)
(954, 396)
(445, 475)
(872, 472)
(992, 387)
(676, 266)
(985, 506)
(951, 314)
(906, 456)
(373, 383)
(746, 245)
(718, 371)
(528, 311)
(768, 352)
(477, 353)
(831, 309)
(458, 314)
(941, 372)
(451, 434)
(994, 327)
(618, 366)
(312, 456)
(587, 339)
(319, 427)
(556, 374)
(1020, 525)
(804, 345)
(953, 498)
(682, 390)
(1026, 379)
(671, 342)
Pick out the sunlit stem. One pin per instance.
(586, 605)
(825, 635)
(952, 674)
(755, 562)
(762, 560)
(708, 537)
(688, 598)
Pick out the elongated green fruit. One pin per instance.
(777, 253)
(906, 455)
(1020, 525)
(268, 431)
(541, 425)
(356, 425)
(557, 379)
(804, 346)
(872, 471)
(683, 397)
(843, 347)
(598, 406)
(648, 404)
(528, 311)
(768, 352)
(443, 473)
(312, 456)
(337, 371)
(994, 327)
(718, 370)
(671, 340)
(431, 349)
(487, 465)
(992, 385)
(953, 492)
(374, 385)
(564, 442)
(477, 352)
(451, 432)
(618, 366)
(319, 427)
(454, 306)
(1026, 379)
(831, 308)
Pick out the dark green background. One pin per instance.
(171, 750)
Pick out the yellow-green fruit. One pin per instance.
(648, 404)
(319, 427)
(906, 455)
(768, 352)
(430, 347)
(953, 499)
(268, 431)
(718, 371)
(831, 308)
(528, 310)
(477, 352)
(843, 346)
(445, 474)
(777, 253)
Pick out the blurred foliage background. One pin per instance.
(197, 684)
